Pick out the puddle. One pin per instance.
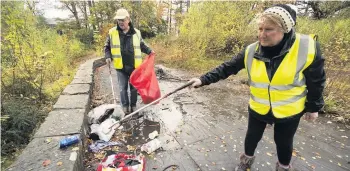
(140, 134)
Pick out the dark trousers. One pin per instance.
(124, 84)
(283, 136)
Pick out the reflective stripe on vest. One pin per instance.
(115, 48)
(286, 92)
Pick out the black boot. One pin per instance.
(245, 164)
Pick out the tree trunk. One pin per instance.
(188, 4)
(71, 5)
(75, 13)
(96, 16)
(84, 10)
(180, 7)
(306, 9)
(169, 17)
(90, 11)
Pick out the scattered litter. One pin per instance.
(344, 136)
(122, 161)
(268, 163)
(68, 141)
(269, 154)
(151, 146)
(153, 135)
(339, 164)
(102, 112)
(223, 168)
(329, 122)
(173, 167)
(103, 131)
(100, 144)
(73, 156)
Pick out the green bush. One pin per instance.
(334, 37)
(22, 116)
(37, 64)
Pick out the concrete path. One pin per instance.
(204, 129)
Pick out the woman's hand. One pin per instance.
(196, 83)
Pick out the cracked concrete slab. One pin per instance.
(82, 80)
(74, 89)
(42, 149)
(62, 122)
(72, 102)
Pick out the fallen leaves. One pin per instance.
(99, 156)
(59, 163)
(130, 148)
(75, 149)
(48, 140)
(46, 162)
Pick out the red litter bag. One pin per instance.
(145, 81)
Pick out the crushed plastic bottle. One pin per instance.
(151, 146)
(68, 141)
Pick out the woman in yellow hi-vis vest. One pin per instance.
(123, 49)
(286, 78)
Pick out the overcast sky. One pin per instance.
(49, 8)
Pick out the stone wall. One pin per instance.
(68, 117)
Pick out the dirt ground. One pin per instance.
(204, 129)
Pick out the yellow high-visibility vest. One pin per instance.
(115, 48)
(286, 93)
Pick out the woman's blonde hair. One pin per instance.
(273, 19)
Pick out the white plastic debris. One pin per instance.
(151, 146)
(73, 156)
(99, 111)
(153, 135)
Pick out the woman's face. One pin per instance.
(269, 34)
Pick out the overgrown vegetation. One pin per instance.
(334, 38)
(212, 32)
(39, 59)
(36, 64)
